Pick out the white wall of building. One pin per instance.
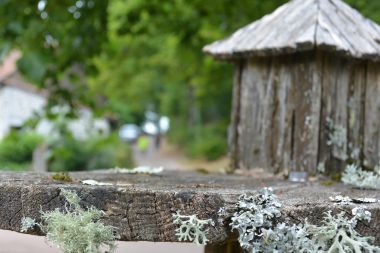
(17, 106)
(84, 127)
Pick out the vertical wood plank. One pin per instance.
(254, 92)
(339, 113)
(356, 108)
(282, 118)
(233, 141)
(270, 129)
(335, 83)
(307, 82)
(372, 115)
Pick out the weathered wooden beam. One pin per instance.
(141, 206)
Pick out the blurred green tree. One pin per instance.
(128, 56)
(58, 39)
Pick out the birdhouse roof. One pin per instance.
(303, 25)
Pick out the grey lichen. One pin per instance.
(284, 238)
(139, 170)
(346, 200)
(191, 228)
(337, 234)
(355, 176)
(255, 213)
(74, 229)
(321, 168)
(258, 231)
(337, 138)
(27, 223)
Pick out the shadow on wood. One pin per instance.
(231, 246)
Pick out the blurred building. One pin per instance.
(20, 100)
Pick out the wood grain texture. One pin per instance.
(372, 115)
(356, 119)
(235, 116)
(280, 138)
(256, 94)
(280, 113)
(286, 103)
(141, 206)
(303, 25)
(307, 106)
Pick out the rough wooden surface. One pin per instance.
(141, 206)
(286, 106)
(371, 103)
(235, 117)
(303, 25)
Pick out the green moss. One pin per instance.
(202, 170)
(336, 177)
(62, 176)
(328, 183)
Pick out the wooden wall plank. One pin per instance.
(233, 136)
(356, 110)
(372, 115)
(286, 104)
(336, 73)
(257, 102)
(254, 77)
(306, 80)
(282, 118)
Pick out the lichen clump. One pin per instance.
(255, 213)
(75, 230)
(337, 234)
(258, 231)
(191, 228)
(337, 138)
(355, 176)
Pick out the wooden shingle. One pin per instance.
(303, 25)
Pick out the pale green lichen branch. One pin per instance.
(140, 170)
(75, 230)
(27, 223)
(355, 176)
(255, 222)
(337, 233)
(337, 138)
(191, 228)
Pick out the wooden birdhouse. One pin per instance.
(306, 88)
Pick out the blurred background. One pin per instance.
(94, 84)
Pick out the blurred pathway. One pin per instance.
(169, 157)
(163, 156)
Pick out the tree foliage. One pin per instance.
(135, 55)
(57, 39)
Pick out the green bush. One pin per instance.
(10, 166)
(201, 142)
(209, 147)
(18, 147)
(69, 154)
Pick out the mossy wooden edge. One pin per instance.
(141, 206)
